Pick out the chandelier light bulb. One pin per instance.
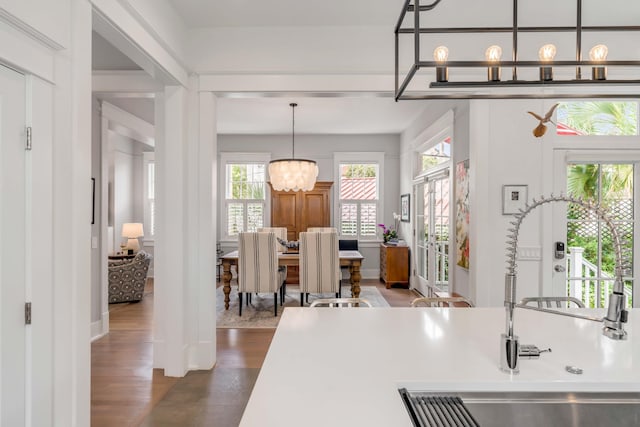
(441, 54)
(598, 52)
(547, 53)
(493, 53)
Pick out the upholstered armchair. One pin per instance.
(319, 264)
(127, 278)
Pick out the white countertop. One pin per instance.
(342, 367)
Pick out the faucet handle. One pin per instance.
(529, 351)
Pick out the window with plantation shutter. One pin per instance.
(359, 198)
(245, 187)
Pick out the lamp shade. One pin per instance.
(132, 230)
(293, 174)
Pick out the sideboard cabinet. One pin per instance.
(394, 264)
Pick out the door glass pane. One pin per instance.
(591, 259)
(441, 233)
(421, 231)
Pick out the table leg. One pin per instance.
(355, 279)
(226, 279)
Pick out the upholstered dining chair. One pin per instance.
(258, 267)
(319, 264)
(553, 302)
(441, 302)
(280, 232)
(322, 230)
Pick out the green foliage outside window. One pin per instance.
(600, 117)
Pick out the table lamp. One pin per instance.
(132, 231)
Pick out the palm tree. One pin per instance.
(600, 117)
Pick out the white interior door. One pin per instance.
(587, 269)
(13, 340)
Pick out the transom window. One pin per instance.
(610, 118)
(359, 198)
(436, 155)
(244, 197)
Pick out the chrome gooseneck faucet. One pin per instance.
(616, 316)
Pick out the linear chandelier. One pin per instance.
(438, 69)
(293, 174)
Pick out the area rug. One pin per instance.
(259, 314)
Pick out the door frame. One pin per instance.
(561, 158)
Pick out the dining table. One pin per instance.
(350, 259)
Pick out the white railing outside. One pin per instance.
(584, 282)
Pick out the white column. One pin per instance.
(71, 188)
(170, 352)
(201, 229)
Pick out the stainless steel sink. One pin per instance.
(522, 408)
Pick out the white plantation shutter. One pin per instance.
(359, 199)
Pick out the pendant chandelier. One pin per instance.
(293, 174)
(524, 71)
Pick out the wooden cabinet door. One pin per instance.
(300, 210)
(316, 207)
(284, 212)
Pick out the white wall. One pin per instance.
(321, 148)
(504, 151)
(45, 16)
(126, 183)
(52, 40)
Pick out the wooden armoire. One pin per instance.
(299, 210)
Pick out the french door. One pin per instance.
(587, 269)
(432, 233)
(13, 188)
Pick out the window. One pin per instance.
(359, 196)
(597, 118)
(149, 195)
(245, 195)
(436, 155)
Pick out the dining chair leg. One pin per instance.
(240, 305)
(275, 303)
(301, 299)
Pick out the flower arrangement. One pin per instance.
(388, 233)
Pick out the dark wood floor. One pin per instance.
(127, 391)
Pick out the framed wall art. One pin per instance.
(404, 207)
(514, 198)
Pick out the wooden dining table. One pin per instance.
(351, 259)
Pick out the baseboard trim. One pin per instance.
(100, 327)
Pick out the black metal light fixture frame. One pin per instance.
(416, 8)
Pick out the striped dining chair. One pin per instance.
(280, 232)
(319, 264)
(258, 267)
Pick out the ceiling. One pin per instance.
(352, 114)
(278, 13)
